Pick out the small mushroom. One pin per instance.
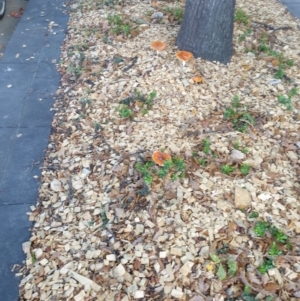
(197, 79)
(158, 46)
(184, 56)
(154, 3)
(159, 158)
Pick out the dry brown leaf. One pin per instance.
(272, 287)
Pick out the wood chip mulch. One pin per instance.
(104, 228)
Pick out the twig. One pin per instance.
(272, 27)
(283, 28)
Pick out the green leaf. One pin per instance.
(260, 228)
(232, 267)
(253, 214)
(221, 273)
(215, 258)
(265, 266)
(274, 250)
(247, 289)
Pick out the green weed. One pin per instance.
(245, 169)
(165, 169)
(232, 267)
(176, 13)
(221, 273)
(241, 17)
(118, 25)
(147, 101)
(226, 169)
(118, 60)
(194, 154)
(144, 170)
(112, 3)
(104, 217)
(282, 59)
(263, 45)
(236, 145)
(239, 116)
(265, 266)
(85, 101)
(230, 263)
(74, 70)
(97, 127)
(215, 258)
(206, 146)
(223, 249)
(253, 214)
(245, 150)
(203, 162)
(124, 111)
(287, 100)
(290, 63)
(246, 295)
(261, 228)
(144, 191)
(278, 235)
(105, 39)
(246, 33)
(274, 250)
(33, 258)
(280, 72)
(247, 49)
(175, 167)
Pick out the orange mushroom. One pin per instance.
(154, 3)
(197, 79)
(159, 158)
(184, 56)
(158, 46)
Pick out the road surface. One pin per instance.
(8, 23)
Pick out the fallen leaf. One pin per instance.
(221, 273)
(275, 63)
(17, 14)
(272, 287)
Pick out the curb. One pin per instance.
(28, 86)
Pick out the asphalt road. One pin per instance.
(8, 23)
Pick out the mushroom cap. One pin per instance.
(158, 45)
(197, 79)
(184, 55)
(159, 158)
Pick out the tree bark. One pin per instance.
(207, 29)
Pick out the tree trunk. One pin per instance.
(207, 29)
